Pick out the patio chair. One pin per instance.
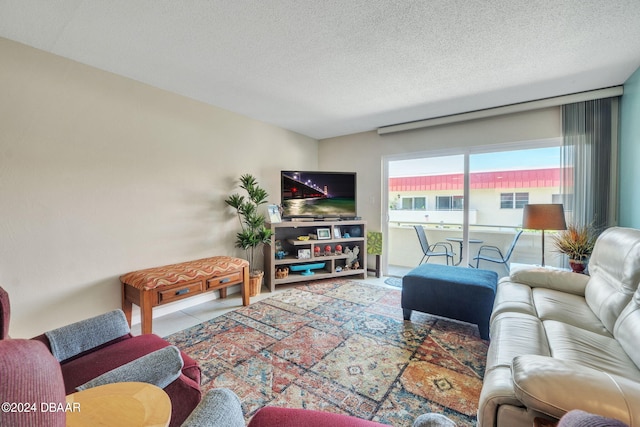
(431, 250)
(494, 254)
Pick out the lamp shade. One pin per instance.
(544, 217)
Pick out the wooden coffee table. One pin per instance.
(129, 404)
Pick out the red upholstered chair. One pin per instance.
(90, 348)
(5, 314)
(29, 374)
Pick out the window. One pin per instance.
(414, 203)
(565, 199)
(513, 200)
(449, 203)
(480, 191)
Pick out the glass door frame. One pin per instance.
(467, 152)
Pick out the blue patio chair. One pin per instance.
(430, 250)
(494, 254)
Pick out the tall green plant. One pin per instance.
(254, 234)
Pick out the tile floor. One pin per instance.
(188, 317)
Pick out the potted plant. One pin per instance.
(577, 242)
(254, 234)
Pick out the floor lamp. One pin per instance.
(544, 217)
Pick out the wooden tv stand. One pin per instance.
(285, 235)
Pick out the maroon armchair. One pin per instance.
(92, 347)
(5, 314)
(32, 379)
(29, 375)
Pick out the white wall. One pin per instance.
(101, 175)
(364, 152)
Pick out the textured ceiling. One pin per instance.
(325, 68)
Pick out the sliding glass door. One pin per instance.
(470, 200)
(424, 191)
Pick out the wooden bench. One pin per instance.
(156, 286)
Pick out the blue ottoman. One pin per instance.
(459, 293)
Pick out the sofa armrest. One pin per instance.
(555, 387)
(84, 335)
(560, 280)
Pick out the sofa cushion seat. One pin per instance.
(573, 344)
(80, 370)
(515, 293)
(184, 392)
(553, 387)
(567, 308)
(515, 334)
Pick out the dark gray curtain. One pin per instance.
(586, 158)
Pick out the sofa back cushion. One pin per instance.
(627, 329)
(615, 273)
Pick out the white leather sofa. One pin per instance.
(562, 341)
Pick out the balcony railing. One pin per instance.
(404, 249)
(400, 216)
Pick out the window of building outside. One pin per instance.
(414, 203)
(513, 200)
(449, 203)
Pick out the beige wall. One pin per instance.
(364, 152)
(101, 175)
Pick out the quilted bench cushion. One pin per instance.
(167, 275)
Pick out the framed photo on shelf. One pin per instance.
(304, 253)
(323, 233)
(336, 233)
(274, 214)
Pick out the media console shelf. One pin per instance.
(292, 251)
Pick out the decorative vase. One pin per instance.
(255, 284)
(577, 266)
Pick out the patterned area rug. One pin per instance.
(393, 281)
(341, 346)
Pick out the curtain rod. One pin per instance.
(507, 109)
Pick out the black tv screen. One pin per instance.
(318, 194)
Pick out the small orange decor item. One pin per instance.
(338, 249)
(327, 250)
(282, 272)
(316, 250)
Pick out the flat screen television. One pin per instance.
(318, 195)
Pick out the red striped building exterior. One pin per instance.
(530, 178)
